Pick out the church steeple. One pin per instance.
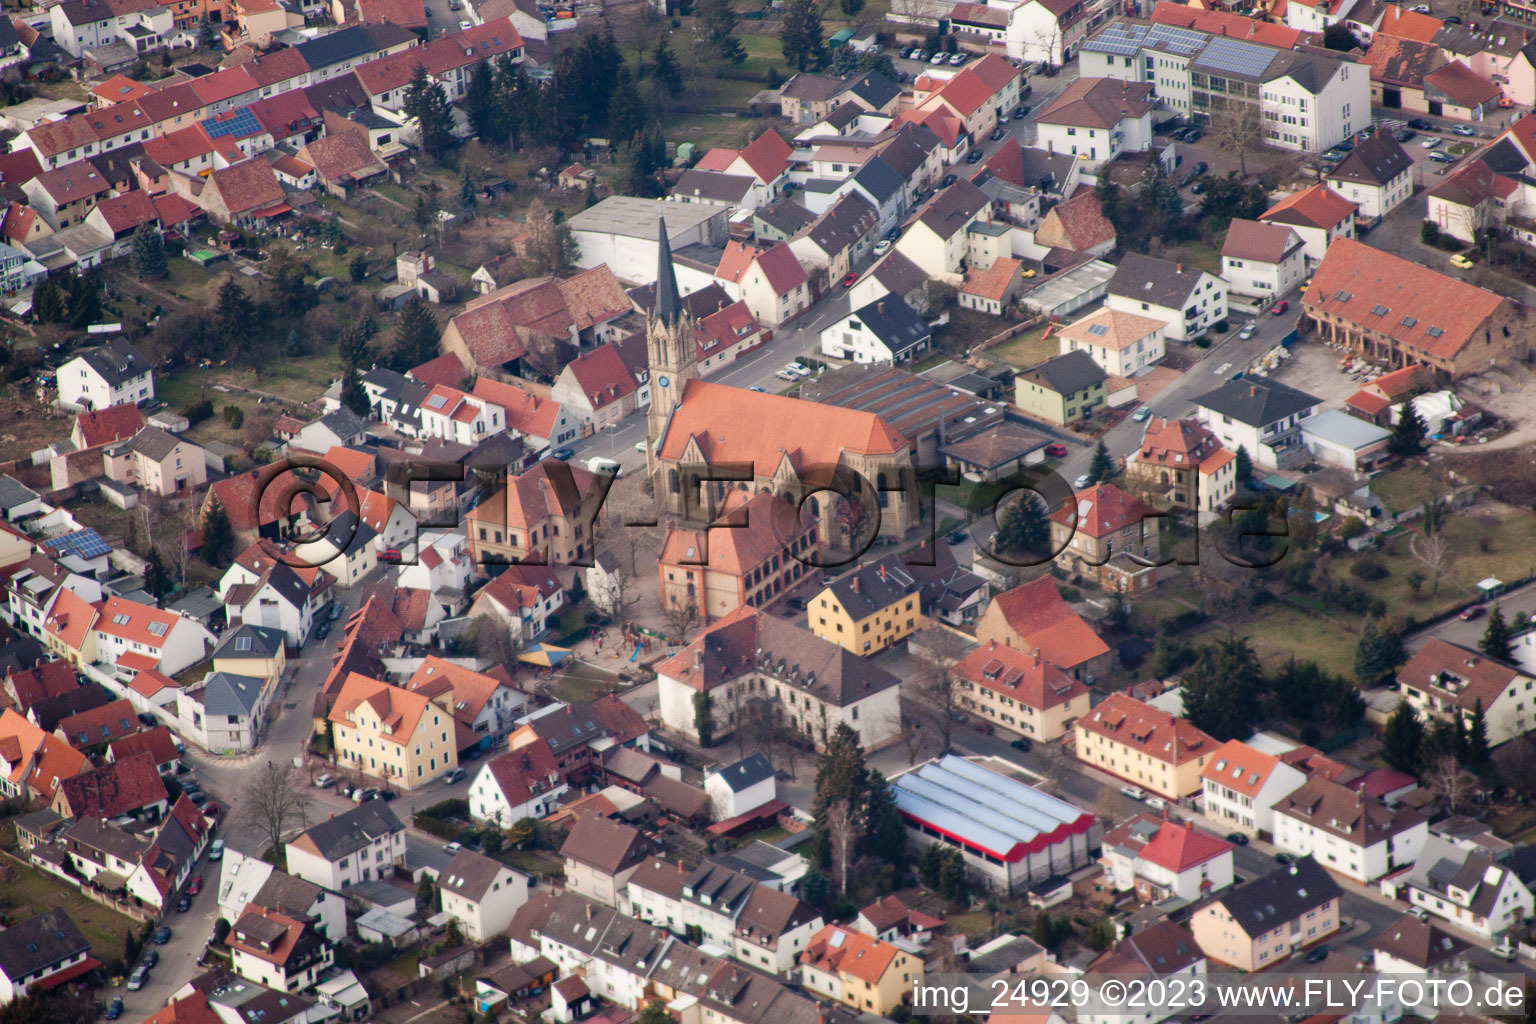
(670, 347)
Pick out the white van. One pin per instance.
(598, 464)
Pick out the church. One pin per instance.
(791, 447)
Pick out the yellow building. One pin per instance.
(255, 651)
(1023, 693)
(858, 970)
(1151, 749)
(867, 610)
(399, 737)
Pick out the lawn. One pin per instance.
(1405, 488)
(1031, 348)
(1196, 254)
(406, 965)
(1279, 632)
(30, 892)
(583, 682)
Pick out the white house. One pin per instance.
(1262, 260)
(1260, 415)
(106, 375)
(1448, 681)
(1348, 832)
(1162, 859)
(245, 880)
(1317, 15)
(452, 415)
(770, 281)
(525, 783)
(1318, 214)
(1121, 343)
(278, 949)
(225, 713)
(1045, 31)
(1470, 890)
(481, 894)
(1097, 119)
(141, 25)
(261, 590)
(1186, 298)
(741, 787)
(1240, 787)
(1161, 952)
(134, 636)
(938, 240)
(1377, 176)
(885, 331)
(442, 567)
(35, 952)
(361, 845)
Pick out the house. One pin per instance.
(156, 461)
(484, 706)
(958, 803)
(1377, 176)
(1241, 786)
(765, 160)
(1318, 214)
(1019, 691)
(95, 428)
(524, 597)
(770, 281)
(48, 679)
(64, 196)
(1450, 682)
(106, 375)
(158, 743)
(889, 919)
(743, 786)
(265, 591)
(225, 713)
(1063, 390)
(1376, 398)
(938, 240)
(1259, 415)
(1471, 201)
(339, 428)
(79, 25)
(453, 415)
(1269, 919)
(868, 609)
(1261, 260)
(359, 845)
(1107, 535)
(1396, 312)
(858, 970)
(1475, 891)
(544, 515)
(808, 98)
(245, 194)
(1411, 946)
(1189, 300)
(601, 856)
(497, 329)
(1164, 860)
(34, 763)
(131, 787)
(343, 162)
(247, 881)
(481, 894)
(542, 422)
(251, 650)
(994, 289)
(1077, 224)
(41, 952)
(1134, 741)
(1348, 832)
(755, 552)
(393, 734)
(1459, 92)
(816, 683)
(885, 331)
(131, 636)
(1034, 616)
(577, 734)
(1181, 464)
(601, 387)
(281, 950)
(622, 232)
(1161, 951)
(1348, 442)
(1046, 32)
(510, 787)
(1121, 343)
(844, 234)
(1098, 119)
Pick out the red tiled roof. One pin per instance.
(1463, 86)
(1041, 618)
(1234, 26)
(768, 155)
(1406, 24)
(127, 211)
(1157, 734)
(114, 423)
(1101, 510)
(223, 85)
(248, 186)
(72, 182)
(1098, 103)
(405, 13)
(444, 369)
(1179, 847)
(782, 269)
(1032, 681)
(1316, 206)
(115, 788)
(995, 282)
(601, 375)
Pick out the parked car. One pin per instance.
(1504, 951)
(850, 279)
(937, 59)
(336, 610)
(1023, 744)
(454, 775)
(453, 847)
(1318, 954)
(216, 850)
(1021, 113)
(1083, 481)
(998, 133)
(975, 156)
(1279, 308)
(563, 454)
(1442, 158)
(362, 796)
(956, 536)
(388, 794)
(1405, 135)
(198, 798)
(465, 26)
(1134, 792)
(1419, 912)
(115, 1008)
(1157, 803)
(1466, 131)
(797, 603)
(1248, 331)
(1237, 839)
(137, 979)
(196, 885)
(212, 810)
(1142, 415)
(1461, 262)
(323, 630)
(959, 58)
(1418, 122)
(1198, 188)
(389, 555)
(1056, 451)
(1431, 142)
(151, 959)
(1472, 611)
(1282, 858)
(1193, 135)
(948, 180)
(1201, 168)
(184, 904)
(882, 247)
(163, 933)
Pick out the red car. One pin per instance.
(1056, 451)
(1472, 611)
(195, 886)
(1279, 307)
(850, 279)
(389, 555)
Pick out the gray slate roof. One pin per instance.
(40, 942)
(1068, 373)
(895, 323)
(225, 693)
(352, 831)
(250, 641)
(1160, 282)
(746, 773)
(116, 361)
(1284, 894)
(470, 875)
(1257, 402)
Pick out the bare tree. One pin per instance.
(842, 836)
(1238, 128)
(1433, 553)
(276, 801)
(937, 688)
(1448, 780)
(493, 640)
(682, 615)
(908, 723)
(1105, 805)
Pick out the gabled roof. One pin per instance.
(1374, 161)
(1459, 675)
(1157, 734)
(524, 773)
(1160, 282)
(1082, 221)
(1257, 402)
(49, 679)
(350, 831)
(768, 156)
(39, 943)
(158, 743)
(608, 846)
(1043, 620)
(1317, 206)
(100, 724)
(115, 788)
(398, 710)
(1179, 846)
(1284, 895)
(1032, 681)
(1261, 242)
(1097, 103)
(1463, 86)
(1068, 373)
(1240, 768)
(953, 209)
(1102, 510)
(471, 875)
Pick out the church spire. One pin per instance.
(669, 307)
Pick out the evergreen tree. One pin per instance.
(952, 880)
(1378, 654)
(156, 580)
(426, 103)
(416, 337)
(515, 96)
(234, 315)
(816, 890)
(930, 865)
(850, 8)
(1402, 739)
(626, 110)
(1478, 755)
(1222, 689)
(480, 104)
(1496, 641)
(353, 396)
(801, 40)
(719, 19)
(1242, 466)
(664, 69)
(703, 719)
(48, 302)
(886, 838)
(467, 198)
(84, 300)
(1102, 467)
(218, 535)
(1025, 527)
(1408, 432)
(149, 253)
(359, 268)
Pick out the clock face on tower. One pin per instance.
(663, 380)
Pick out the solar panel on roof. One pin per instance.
(240, 123)
(83, 543)
(1235, 57)
(1098, 330)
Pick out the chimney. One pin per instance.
(882, 572)
(1252, 390)
(855, 584)
(1037, 657)
(1179, 268)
